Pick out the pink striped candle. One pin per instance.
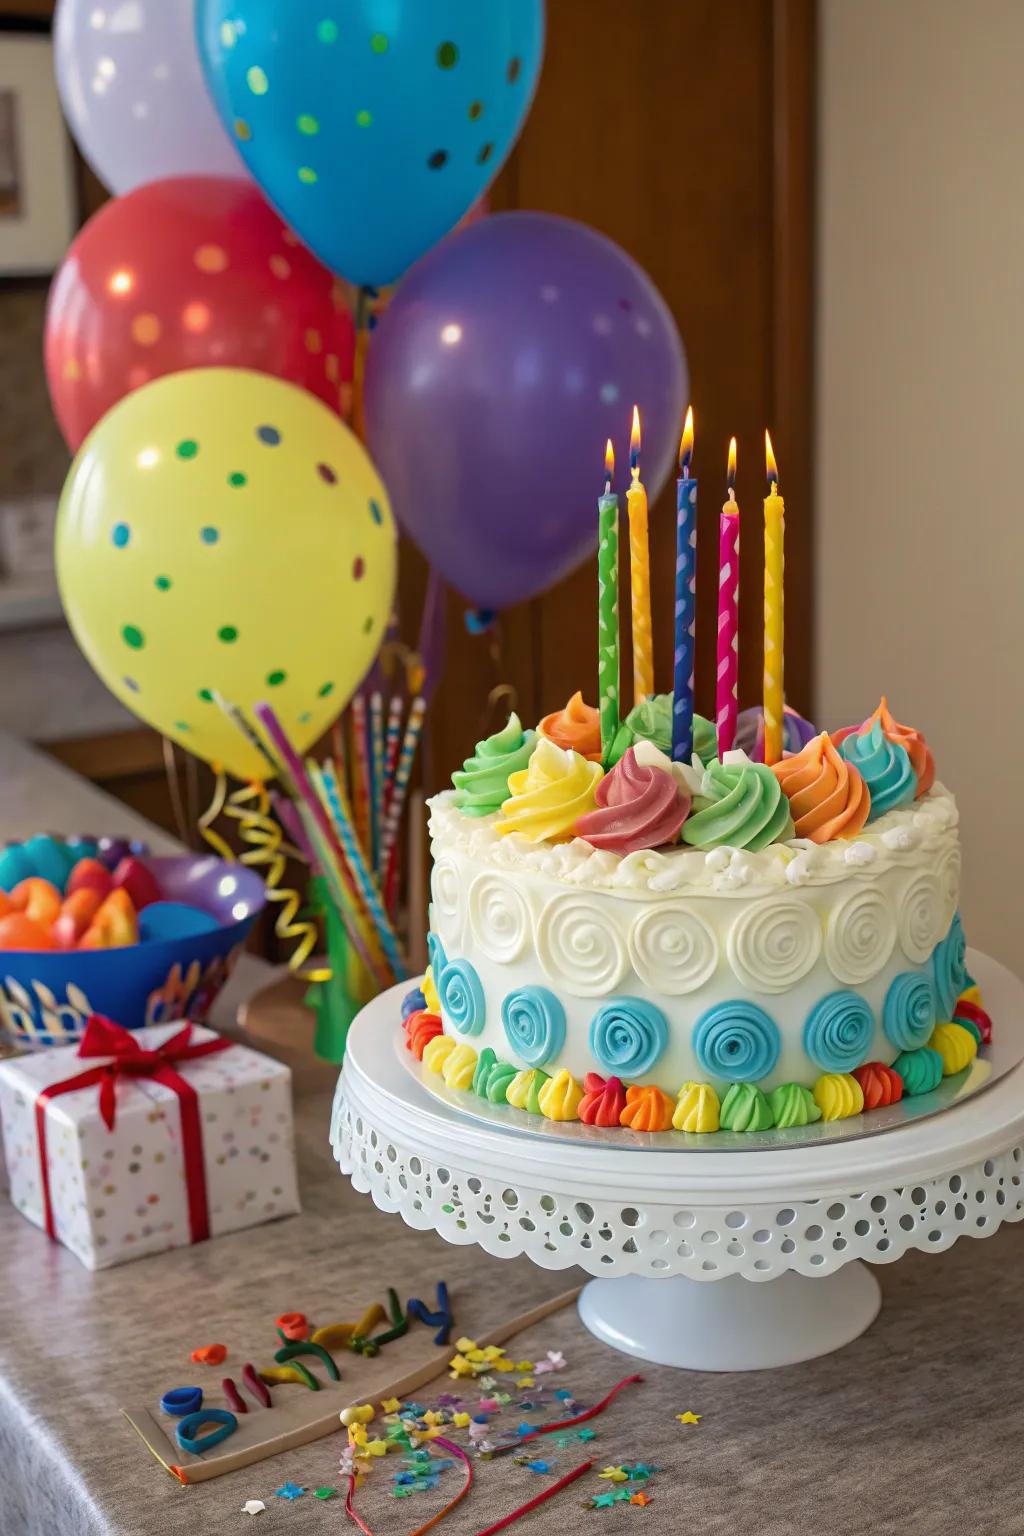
(727, 673)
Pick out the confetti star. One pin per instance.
(526, 1381)
(640, 1469)
(324, 1493)
(588, 1434)
(604, 1500)
(540, 1466)
(391, 1405)
(614, 1474)
(525, 1429)
(689, 1418)
(464, 1345)
(290, 1491)
(460, 1420)
(523, 1365)
(253, 1507)
(640, 1498)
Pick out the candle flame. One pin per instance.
(771, 467)
(686, 442)
(634, 441)
(609, 462)
(731, 473)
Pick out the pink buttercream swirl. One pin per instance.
(639, 807)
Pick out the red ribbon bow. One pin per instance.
(128, 1058)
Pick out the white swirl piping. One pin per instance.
(579, 946)
(672, 949)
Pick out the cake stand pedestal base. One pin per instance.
(732, 1325)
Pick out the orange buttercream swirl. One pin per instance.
(918, 750)
(575, 728)
(827, 796)
(647, 1109)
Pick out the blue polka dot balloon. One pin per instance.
(372, 125)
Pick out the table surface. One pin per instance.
(913, 1428)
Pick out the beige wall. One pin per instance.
(920, 446)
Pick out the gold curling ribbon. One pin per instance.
(210, 816)
(265, 845)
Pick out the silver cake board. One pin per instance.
(993, 1062)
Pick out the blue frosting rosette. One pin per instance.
(737, 1041)
(949, 964)
(627, 1036)
(884, 766)
(462, 996)
(908, 1014)
(838, 1032)
(534, 1022)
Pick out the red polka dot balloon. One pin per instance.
(190, 272)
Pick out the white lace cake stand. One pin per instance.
(652, 1227)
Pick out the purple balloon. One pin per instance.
(133, 92)
(507, 357)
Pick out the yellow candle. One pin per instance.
(774, 566)
(639, 572)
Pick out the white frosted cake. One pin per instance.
(716, 945)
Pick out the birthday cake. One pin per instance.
(663, 924)
(627, 940)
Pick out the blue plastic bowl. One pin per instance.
(47, 996)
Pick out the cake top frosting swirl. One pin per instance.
(576, 728)
(482, 782)
(827, 796)
(639, 805)
(547, 798)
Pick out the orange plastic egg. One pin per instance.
(18, 931)
(37, 898)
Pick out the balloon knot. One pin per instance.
(480, 620)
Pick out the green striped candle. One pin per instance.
(608, 607)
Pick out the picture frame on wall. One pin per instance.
(38, 198)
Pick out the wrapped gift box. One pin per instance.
(172, 1136)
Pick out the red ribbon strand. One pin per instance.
(128, 1058)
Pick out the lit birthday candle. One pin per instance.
(774, 629)
(639, 572)
(727, 671)
(686, 597)
(608, 606)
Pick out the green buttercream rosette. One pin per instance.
(482, 781)
(793, 1105)
(651, 720)
(740, 805)
(745, 1108)
(498, 1079)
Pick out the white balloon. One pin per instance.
(133, 92)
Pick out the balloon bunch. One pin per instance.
(223, 539)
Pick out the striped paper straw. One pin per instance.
(413, 731)
(392, 746)
(377, 756)
(361, 776)
(324, 779)
(318, 853)
(323, 838)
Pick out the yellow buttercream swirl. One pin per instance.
(460, 1067)
(437, 1051)
(838, 1095)
(548, 798)
(524, 1090)
(560, 1097)
(697, 1109)
(429, 989)
(956, 1045)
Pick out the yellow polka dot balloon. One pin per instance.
(222, 533)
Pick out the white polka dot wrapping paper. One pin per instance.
(122, 1194)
